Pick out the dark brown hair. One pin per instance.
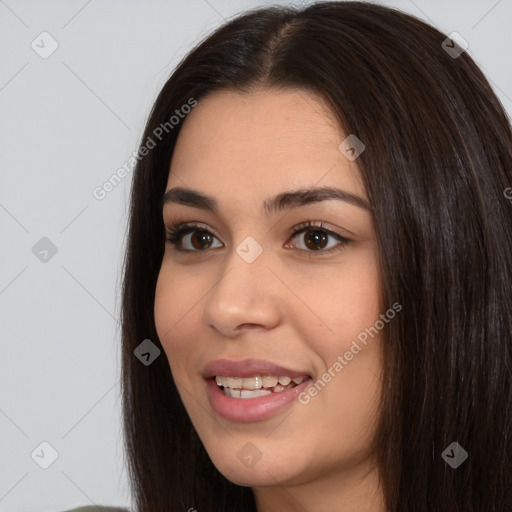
(438, 158)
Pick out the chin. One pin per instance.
(260, 475)
(251, 468)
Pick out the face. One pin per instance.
(252, 296)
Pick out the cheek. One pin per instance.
(349, 308)
(173, 314)
(345, 304)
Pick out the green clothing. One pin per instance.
(99, 508)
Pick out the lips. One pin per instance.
(236, 389)
(248, 368)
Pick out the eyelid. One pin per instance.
(177, 230)
(322, 226)
(176, 224)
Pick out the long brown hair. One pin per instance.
(438, 158)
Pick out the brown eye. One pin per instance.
(316, 239)
(199, 238)
(191, 235)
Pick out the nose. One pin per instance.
(247, 295)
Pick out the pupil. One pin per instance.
(317, 237)
(198, 235)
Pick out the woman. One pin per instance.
(317, 291)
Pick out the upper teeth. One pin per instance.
(256, 382)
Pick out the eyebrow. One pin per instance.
(283, 201)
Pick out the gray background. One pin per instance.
(68, 122)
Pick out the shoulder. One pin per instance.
(99, 508)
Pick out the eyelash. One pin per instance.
(175, 233)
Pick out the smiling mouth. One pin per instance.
(253, 387)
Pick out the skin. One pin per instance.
(291, 306)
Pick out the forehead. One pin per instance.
(248, 146)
